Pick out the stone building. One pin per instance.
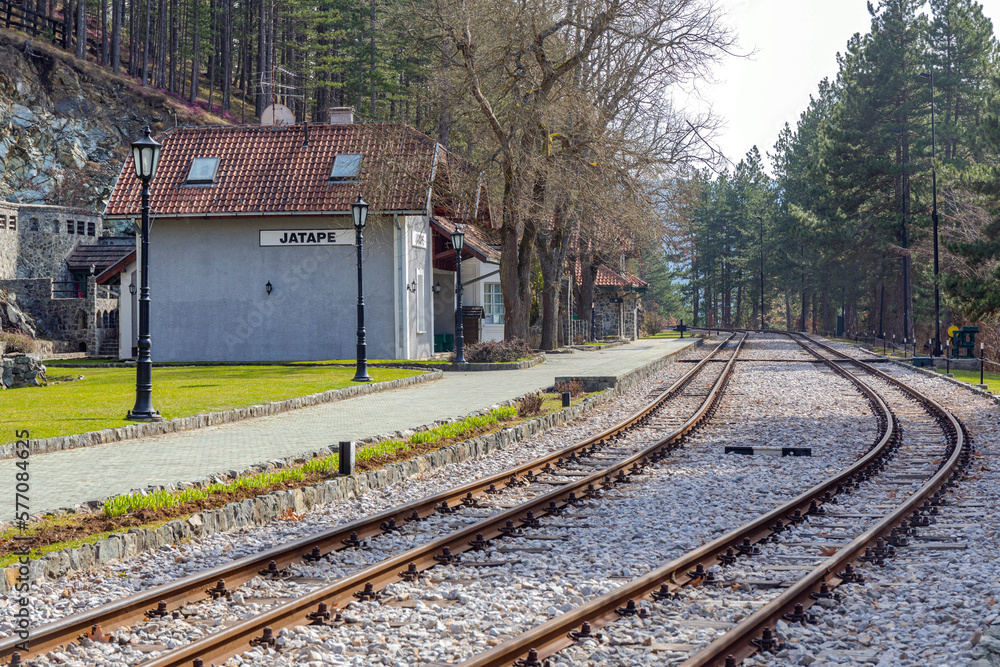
(617, 307)
(45, 262)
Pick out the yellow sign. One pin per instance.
(952, 330)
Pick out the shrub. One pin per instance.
(529, 405)
(653, 323)
(14, 342)
(497, 351)
(574, 387)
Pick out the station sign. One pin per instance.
(305, 237)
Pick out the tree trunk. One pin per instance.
(552, 251)
(739, 304)
(788, 311)
(69, 17)
(116, 36)
(105, 46)
(81, 29)
(372, 72)
(515, 265)
(145, 45)
(195, 64)
(172, 84)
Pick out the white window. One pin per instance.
(346, 167)
(493, 303)
(202, 170)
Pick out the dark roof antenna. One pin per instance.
(305, 126)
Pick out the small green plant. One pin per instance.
(322, 465)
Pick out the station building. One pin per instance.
(252, 243)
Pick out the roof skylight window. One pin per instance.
(346, 167)
(203, 171)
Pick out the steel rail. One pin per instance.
(736, 642)
(235, 639)
(192, 588)
(553, 636)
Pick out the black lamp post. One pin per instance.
(457, 241)
(934, 219)
(360, 211)
(145, 158)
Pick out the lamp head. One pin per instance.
(146, 157)
(268, 287)
(360, 211)
(457, 239)
(131, 289)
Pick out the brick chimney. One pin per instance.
(341, 115)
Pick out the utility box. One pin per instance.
(923, 362)
(963, 342)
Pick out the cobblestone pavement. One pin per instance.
(63, 479)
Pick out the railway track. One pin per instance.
(543, 486)
(843, 523)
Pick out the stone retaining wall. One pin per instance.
(142, 430)
(21, 370)
(263, 509)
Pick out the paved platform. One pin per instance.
(62, 479)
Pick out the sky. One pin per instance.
(795, 45)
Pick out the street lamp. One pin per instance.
(360, 211)
(145, 159)
(457, 241)
(934, 219)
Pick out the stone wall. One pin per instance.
(609, 314)
(74, 321)
(48, 234)
(9, 241)
(21, 370)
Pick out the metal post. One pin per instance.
(459, 328)
(143, 409)
(345, 461)
(361, 375)
(934, 219)
(947, 359)
(981, 361)
(761, 220)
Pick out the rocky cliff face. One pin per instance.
(65, 125)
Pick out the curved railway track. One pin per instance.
(692, 396)
(919, 441)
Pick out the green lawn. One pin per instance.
(665, 334)
(992, 380)
(104, 395)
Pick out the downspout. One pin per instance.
(399, 260)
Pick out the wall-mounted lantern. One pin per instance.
(268, 287)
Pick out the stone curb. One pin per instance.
(266, 508)
(142, 430)
(464, 368)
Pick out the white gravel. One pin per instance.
(693, 498)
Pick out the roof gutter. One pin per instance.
(256, 214)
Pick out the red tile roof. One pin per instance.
(610, 279)
(482, 243)
(270, 169)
